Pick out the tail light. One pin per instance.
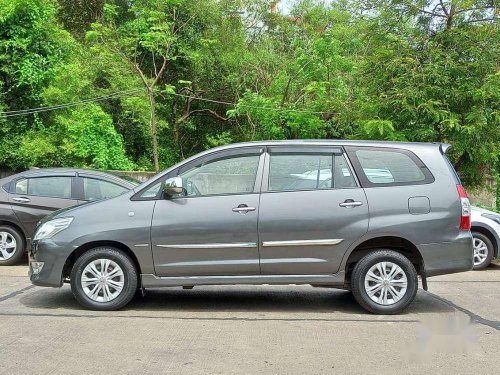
(466, 209)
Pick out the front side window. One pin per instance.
(94, 189)
(391, 167)
(300, 171)
(233, 175)
(54, 187)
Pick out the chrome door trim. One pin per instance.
(302, 242)
(209, 245)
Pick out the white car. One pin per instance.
(486, 232)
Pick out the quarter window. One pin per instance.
(391, 167)
(234, 175)
(55, 187)
(94, 189)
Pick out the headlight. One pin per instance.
(52, 227)
(495, 218)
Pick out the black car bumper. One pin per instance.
(49, 253)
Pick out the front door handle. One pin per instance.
(350, 203)
(243, 209)
(21, 199)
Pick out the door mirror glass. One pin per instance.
(173, 187)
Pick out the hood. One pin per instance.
(75, 210)
(483, 210)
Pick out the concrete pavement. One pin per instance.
(453, 328)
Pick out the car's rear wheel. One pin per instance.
(104, 278)
(12, 246)
(483, 250)
(384, 282)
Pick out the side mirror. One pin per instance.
(173, 186)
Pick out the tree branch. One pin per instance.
(186, 115)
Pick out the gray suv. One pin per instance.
(364, 216)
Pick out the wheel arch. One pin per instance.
(79, 251)
(390, 242)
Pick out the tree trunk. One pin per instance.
(152, 124)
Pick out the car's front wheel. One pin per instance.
(104, 278)
(483, 250)
(12, 246)
(384, 282)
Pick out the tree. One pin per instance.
(144, 43)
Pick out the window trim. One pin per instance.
(332, 151)
(12, 187)
(221, 154)
(366, 183)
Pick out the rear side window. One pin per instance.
(95, 189)
(300, 172)
(306, 171)
(54, 187)
(389, 167)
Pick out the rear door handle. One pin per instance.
(243, 209)
(21, 199)
(350, 203)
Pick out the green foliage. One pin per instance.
(405, 70)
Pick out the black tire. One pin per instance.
(20, 250)
(490, 248)
(130, 278)
(358, 281)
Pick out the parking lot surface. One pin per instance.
(453, 328)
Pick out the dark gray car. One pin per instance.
(27, 197)
(365, 216)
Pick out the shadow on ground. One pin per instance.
(232, 299)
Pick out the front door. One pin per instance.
(212, 228)
(311, 211)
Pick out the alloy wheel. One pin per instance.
(8, 245)
(480, 251)
(386, 283)
(102, 280)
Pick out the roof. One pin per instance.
(39, 172)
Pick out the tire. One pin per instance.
(90, 265)
(483, 251)
(394, 302)
(9, 237)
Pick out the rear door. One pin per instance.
(311, 210)
(33, 198)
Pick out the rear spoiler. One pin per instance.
(444, 147)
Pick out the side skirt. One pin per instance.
(153, 281)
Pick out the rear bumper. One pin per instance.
(448, 257)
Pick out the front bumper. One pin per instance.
(448, 257)
(53, 256)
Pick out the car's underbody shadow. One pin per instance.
(265, 299)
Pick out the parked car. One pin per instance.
(251, 214)
(27, 197)
(486, 236)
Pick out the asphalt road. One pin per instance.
(453, 328)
